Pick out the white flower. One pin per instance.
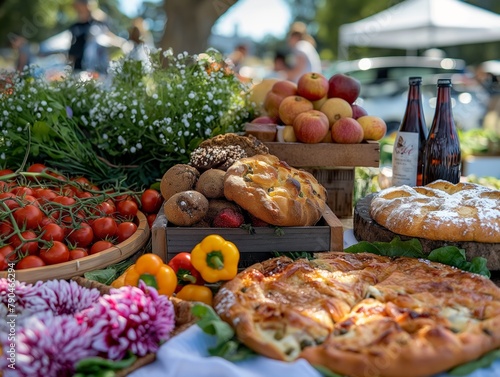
(105, 136)
(2, 156)
(132, 149)
(49, 109)
(19, 108)
(44, 103)
(138, 146)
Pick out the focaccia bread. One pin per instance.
(274, 192)
(363, 315)
(440, 211)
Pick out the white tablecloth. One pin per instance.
(186, 355)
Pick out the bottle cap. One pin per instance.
(415, 80)
(444, 82)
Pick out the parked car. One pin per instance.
(384, 87)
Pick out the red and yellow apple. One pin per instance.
(312, 86)
(358, 111)
(347, 131)
(336, 108)
(311, 126)
(319, 102)
(264, 119)
(374, 128)
(292, 106)
(343, 86)
(278, 92)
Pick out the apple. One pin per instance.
(264, 119)
(289, 134)
(327, 138)
(343, 86)
(358, 111)
(312, 86)
(347, 131)
(374, 128)
(292, 106)
(336, 108)
(319, 102)
(311, 126)
(279, 90)
(258, 93)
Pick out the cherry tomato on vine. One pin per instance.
(55, 252)
(44, 195)
(64, 200)
(3, 263)
(151, 219)
(36, 168)
(151, 201)
(104, 227)
(105, 208)
(8, 252)
(100, 246)
(22, 190)
(6, 172)
(9, 199)
(127, 208)
(125, 230)
(78, 253)
(29, 216)
(28, 246)
(81, 236)
(52, 232)
(6, 228)
(30, 261)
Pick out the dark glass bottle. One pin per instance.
(442, 156)
(408, 153)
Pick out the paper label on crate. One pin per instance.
(405, 159)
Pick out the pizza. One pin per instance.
(275, 192)
(363, 315)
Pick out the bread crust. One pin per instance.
(274, 192)
(440, 211)
(364, 315)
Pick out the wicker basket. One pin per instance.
(183, 319)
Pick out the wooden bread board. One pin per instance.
(366, 229)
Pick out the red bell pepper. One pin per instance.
(186, 273)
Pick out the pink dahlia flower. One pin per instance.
(68, 297)
(130, 318)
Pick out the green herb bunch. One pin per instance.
(131, 126)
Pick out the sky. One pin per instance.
(251, 18)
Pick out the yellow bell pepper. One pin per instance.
(215, 258)
(151, 270)
(193, 292)
(120, 280)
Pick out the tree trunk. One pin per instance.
(189, 23)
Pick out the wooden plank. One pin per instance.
(327, 154)
(336, 230)
(159, 235)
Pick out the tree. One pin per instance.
(189, 23)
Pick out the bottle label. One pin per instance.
(405, 159)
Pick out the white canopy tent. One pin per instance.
(422, 24)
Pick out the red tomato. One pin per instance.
(125, 230)
(44, 195)
(100, 246)
(82, 181)
(22, 190)
(36, 168)
(27, 246)
(46, 220)
(151, 219)
(9, 199)
(78, 253)
(29, 216)
(104, 227)
(30, 261)
(84, 194)
(151, 201)
(3, 263)
(52, 232)
(6, 172)
(30, 199)
(8, 252)
(127, 208)
(81, 236)
(56, 252)
(105, 209)
(64, 200)
(6, 228)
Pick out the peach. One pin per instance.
(310, 126)
(279, 90)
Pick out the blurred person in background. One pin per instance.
(280, 66)
(23, 50)
(141, 43)
(91, 38)
(305, 56)
(237, 57)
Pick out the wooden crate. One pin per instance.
(332, 165)
(327, 235)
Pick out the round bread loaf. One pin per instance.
(211, 183)
(178, 178)
(186, 208)
(440, 211)
(274, 192)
